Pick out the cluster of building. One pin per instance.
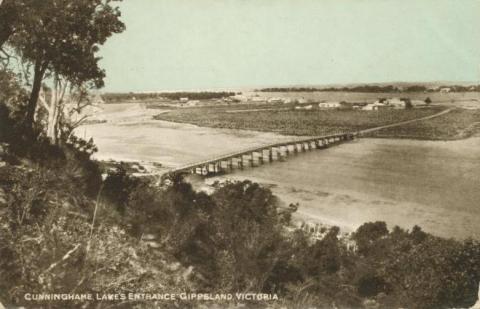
(274, 100)
(393, 103)
(304, 104)
(384, 103)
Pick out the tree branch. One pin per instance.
(64, 258)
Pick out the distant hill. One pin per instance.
(382, 87)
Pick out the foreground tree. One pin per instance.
(60, 42)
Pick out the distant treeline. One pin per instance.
(373, 88)
(206, 95)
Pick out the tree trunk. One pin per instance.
(39, 72)
(52, 118)
(52, 126)
(55, 110)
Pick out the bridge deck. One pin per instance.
(256, 149)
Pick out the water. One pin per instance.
(435, 185)
(131, 135)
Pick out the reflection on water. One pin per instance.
(403, 182)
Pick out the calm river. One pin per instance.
(435, 185)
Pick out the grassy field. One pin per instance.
(293, 122)
(459, 123)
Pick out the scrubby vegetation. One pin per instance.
(294, 122)
(136, 236)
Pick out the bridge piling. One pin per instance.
(260, 159)
(278, 153)
(257, 156)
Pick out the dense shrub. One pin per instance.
(237, 239)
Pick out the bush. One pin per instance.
(371, 285)
(368, 233)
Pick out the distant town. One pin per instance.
(389, 97)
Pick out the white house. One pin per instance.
(274, 100)
(308, 107)
(375, 106)
(184, 100)
(330, 105)
(258, 99)
(241, 98)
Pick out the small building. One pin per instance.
(375, 106)
(184, 100)
(240, 98)
(445, 90)
(307, 107)
(258, 99)
(330, 105)
(274, 100)
(358, 105)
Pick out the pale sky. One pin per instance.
(214, 44)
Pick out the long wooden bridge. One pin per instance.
(259, 155)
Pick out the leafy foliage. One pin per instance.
(60, 44)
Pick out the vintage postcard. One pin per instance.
(240, 154)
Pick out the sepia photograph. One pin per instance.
(265, 154)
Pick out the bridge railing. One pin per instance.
(230, 155)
